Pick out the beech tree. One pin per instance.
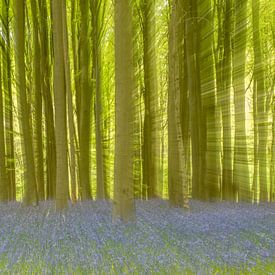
(151, 126)
(85, 104)
(123, 175)
(3, 173)
(62, 179)
(30, 196)
(177, 141)
(241, 169)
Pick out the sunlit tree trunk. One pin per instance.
(124, 74)
(70, 107)
(30, 196)
(85, 102)
(196, 113)
(272, 166)
(207, 77)
(260, 96)
(224, 84)
(3, 173)
(140, 190)
(76, 75)
(48, 103)
(177, 145)
(8, 100)
(97, 7)
(151, 126)
(38, 144)
(241, 177)
(60, 107)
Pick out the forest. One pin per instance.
(137, 125)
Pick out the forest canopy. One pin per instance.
(141, 99)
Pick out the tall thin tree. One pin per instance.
(241, 168)
(3, 172)
(85, 104)
(151, 148)
(177, 142)
(8, 100)
(261, 115)
(62, 177)
(98, 13)
(38, 144)
(48, 101)
(124, 74)
(30, 196)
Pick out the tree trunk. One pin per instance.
(224, 84)
(70, 106)
(207, 78)
(241, 169)
(124, 74)
(196, 114)
(272, 166)
(85, 102)
(97, 26)
(60, 107)
(38, 144)
(151, 126)
(30, 196)
(177, 145)
(260, 95)
(3, 173)
(48, 104)
(8, 99)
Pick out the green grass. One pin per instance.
(261, 268)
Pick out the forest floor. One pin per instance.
(220, 238)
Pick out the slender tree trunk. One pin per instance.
(207, 75)
(8, 99)
(30, 196)
(60, 107)
(241, 169)
(75, 50)
(3, 173)
(38, 144)
(261, 115)
(97, 27)
(151, 125)
(124, 76)
(224, 84)
(272, 166)
(48, 104)
(196, 114)
(85, 102)
(177, 161)
(70, 107)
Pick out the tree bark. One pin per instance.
(60, 108)
(241, 177)
(38, 144)
(151, 150)
(196, 113)
(97, 26)
(85, 102)
(177, 142)
(3, 173)
(8, 100)
(70, 119)
(30, 196)
(124, 74)
(207, 77)
(259, 90)
(48, 104)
